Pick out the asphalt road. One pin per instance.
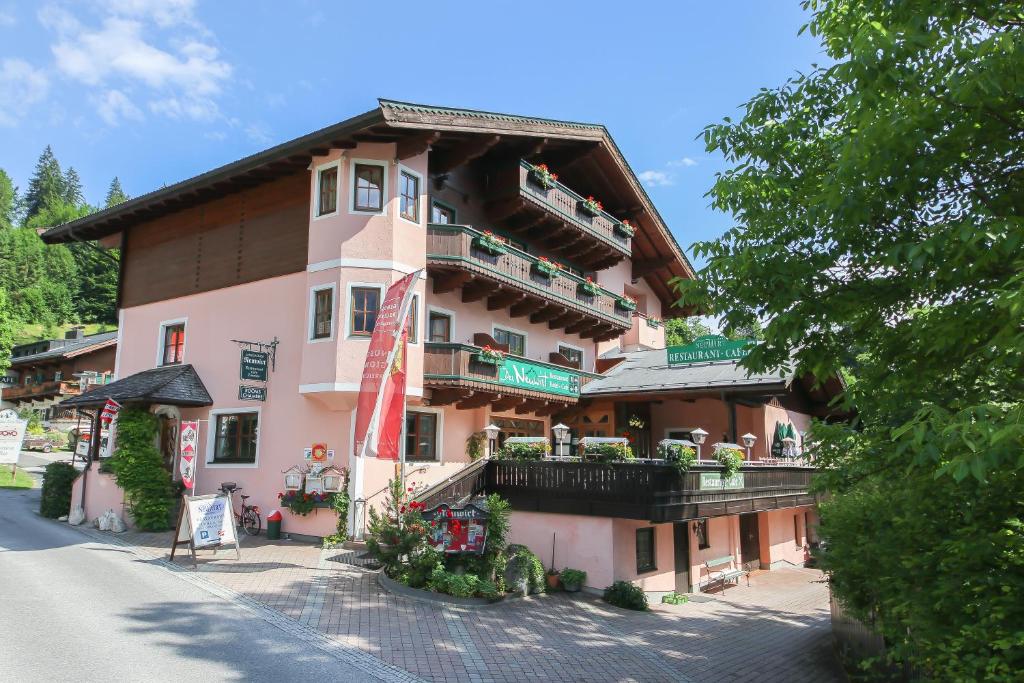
(76, 610)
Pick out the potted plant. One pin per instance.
(679, 456)
(547, 268)
(543, 176)
(730, 459)
(490, 356)
(626, 303)
(589, 287)
(572, 579)
(490, 243)
(551, 575)
(590, 206)
(625, 228)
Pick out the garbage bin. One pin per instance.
(274, 525)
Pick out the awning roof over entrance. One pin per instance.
(176, 385)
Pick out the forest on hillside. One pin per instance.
(44, 287)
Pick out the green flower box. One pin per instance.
(625, 304)
(492, 246)
(543, 178)
(589, 288)
(489, 358)
(592, 209)
(624, 229)
(653, 322)
(547, 269)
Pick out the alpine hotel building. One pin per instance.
(293, 248)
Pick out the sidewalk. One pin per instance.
(775, 630)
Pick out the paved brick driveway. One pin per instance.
(775, 630)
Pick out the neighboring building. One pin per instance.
(45, 372)
(296, 245)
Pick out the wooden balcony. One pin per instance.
(43, 390)
(455, 374)
(553, 218)
(646, 491)
(512, 280)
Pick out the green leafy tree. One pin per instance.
(682, 331)
(880, 206)
(8, 202)
(47, 185)
(115, 195)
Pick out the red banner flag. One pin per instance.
(385, 345)
(392, 407)
(109, 412)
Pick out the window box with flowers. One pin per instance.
(589, 287)
(626, 303)
(489, 356)
(547, 269)
(542, 175)
(653, 323)
(625, 229)
(490, 243)
(302, 503)
(590, 206)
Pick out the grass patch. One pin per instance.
(34, 331)
(20, 480)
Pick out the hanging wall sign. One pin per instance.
(710, 347)
(250, 393)
(253, 366)
(205, 522)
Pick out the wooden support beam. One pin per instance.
(463, 153)
(503, 299)
(343, 144)
(522, 308)
(549, 312)
(443, 397)
(507, 403)
(476, 290)
(562, 320)
(477, 400)
(644, 267)
(451, 282)
(579, 326)
(529, 406)
(416, 144)
(503, 208)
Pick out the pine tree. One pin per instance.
(8, 201)
(73, 188)
(115, 195)
(47, 185)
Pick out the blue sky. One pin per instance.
(155, 91)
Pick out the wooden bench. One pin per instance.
(725, 575)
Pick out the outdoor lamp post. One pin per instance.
(788, 444)
(698, 435)
(492, 436)
(748, 441)
(561, 432)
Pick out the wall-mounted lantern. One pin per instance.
(332, 478)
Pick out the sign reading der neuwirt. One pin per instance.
(253, 365)
(536, 377)
(710, 347)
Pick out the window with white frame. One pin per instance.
(409, 196)
(327, 191)
(572, 354)
(421, 436)
(368, 187)
(235, 437)
(322, 313)
(172, 343)
(516, 341)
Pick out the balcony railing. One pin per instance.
(455, 247)
(459, 365)
(595, 241)
(52, 388)
(647, 491)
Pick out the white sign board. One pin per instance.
(206, 522)
(12, 433)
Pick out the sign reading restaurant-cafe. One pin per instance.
(710, 347)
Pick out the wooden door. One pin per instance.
(681, 542)
(168, 441)
(750, 541)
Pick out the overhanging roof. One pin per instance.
(584, 154)
(176, 385)
(70, 349)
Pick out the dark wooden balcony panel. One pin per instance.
(642, 491)
(44, 389)
(552, 216)
(511, 280)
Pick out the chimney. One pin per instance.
(76, 332)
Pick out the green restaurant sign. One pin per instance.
(713, 481)
(253, 365)
(526, 375)
(710, 347)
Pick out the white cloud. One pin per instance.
(114, 106)
(21, 86)
(655, 178)
(7, 17)
(685, 161)
(258, 133)
(156, 46)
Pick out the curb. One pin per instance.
(393, 586)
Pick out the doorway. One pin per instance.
(681, 545)
(750, 541)
(168, 441)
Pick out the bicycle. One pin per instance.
(248, 516)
